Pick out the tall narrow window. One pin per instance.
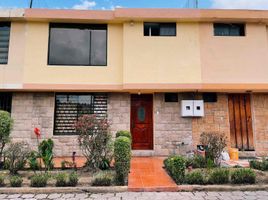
(69, 107)
(221, 29)
(4, 41)
(159, 29)
(78, 44)
(5, 101)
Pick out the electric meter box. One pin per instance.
(192, 108)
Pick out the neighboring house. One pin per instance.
(136, 66)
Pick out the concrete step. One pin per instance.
(142, 153)
(246, 154)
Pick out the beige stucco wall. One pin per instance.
(194, 57)
(161, 59)
(37, 71)
(234, 59)
(11, 74)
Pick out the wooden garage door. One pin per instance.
(241, 122)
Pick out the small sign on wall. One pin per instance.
(192, 108)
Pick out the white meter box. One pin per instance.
(192, 108)
(187, 108)
(199, 108)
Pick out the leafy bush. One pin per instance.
(123, 133)
(2, 180)
(197, 161)
(175, 165)
(259, 165)
(243, 176)
(104, 164)
(45, 149)
(6, 124)
(94, 139)
(73, 179)
(215, 144)
(219, 176)
(33, 161)
(39, 180)
(122, 155)
(195, 177)
(61, 180)
(16, 156)
(103, 178)
(66, 164)
(16, 181)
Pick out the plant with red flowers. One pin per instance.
(94, 139)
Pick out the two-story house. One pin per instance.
(143, 69)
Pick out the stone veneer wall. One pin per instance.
(172, 133)
(216, 119)
(31, 110)
(260, 123)
(119, 111)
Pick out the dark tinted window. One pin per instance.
(5, 101)
(4, 41)
(221, 29)
(159, 29)
(69, 107)
(78, 44)
(171, 97)
(210, 97)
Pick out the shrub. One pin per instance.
(215, 144)
(243, 176)
(103, 178)
(39, 180)
(219, 176)
(123, 133)
(61, 179)
(175, 165)
(73, 179)
(104, 164)
(16, 181)
(259, 165)
(33, 161)
(197, 161)
(66, 164)
(6, 124)
(122, 155)
(195, 177)
(2, 180)
(45, 149)
(16, 156)
(94, 139)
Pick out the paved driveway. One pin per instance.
(260, 195)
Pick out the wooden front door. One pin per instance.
(240, 122)
(142, 121)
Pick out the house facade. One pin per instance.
(143, 69)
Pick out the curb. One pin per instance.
(116, 189)
(221, 188)
(50, 190)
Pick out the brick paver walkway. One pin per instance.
(259, 195)
(147, 174)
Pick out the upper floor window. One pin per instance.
(4, 41)
(221, 29)
(159, 29)
(78, 44)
